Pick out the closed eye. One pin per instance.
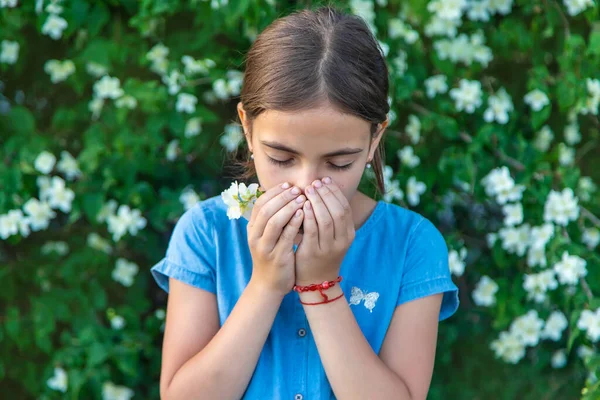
(287, 163)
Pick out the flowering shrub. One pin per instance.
(115, 117)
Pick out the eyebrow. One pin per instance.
(340, 152)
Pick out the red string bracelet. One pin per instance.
(320, 287)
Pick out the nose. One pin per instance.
(305, 177)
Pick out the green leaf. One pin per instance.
(22, 121)
(97, 354)
(538, 118)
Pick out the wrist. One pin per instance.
(264, 291)
(316, 297)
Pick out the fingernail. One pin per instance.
(327, 180)
(285, 185)
(318, 184)
(295, 190)
(300, 199)
(310, 190)
(308, 206)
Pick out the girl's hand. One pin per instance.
(328, 233)
(273, 226)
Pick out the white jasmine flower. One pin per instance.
(398, 28)
(566, 155)
(109, 208)
(126, 220)
(174, 81)
(60, 248)
(192, 66)
(160, 313)
(591, 237)
(575, 7)
(158, 52)
(54, 26)
(186, 103)
(193, 127)
(108, 88)
(513, 214)
(447, 9)
(528, 328)
(8, 3)
(117, 322)
(12, 223)
(499, 106)
(45, 162)
(414, 190)
(468, 96)
(491, 239)
(538, 284)
(479, 10)
(572, 134)
(240, 199)
(485, 292)
(536, 99)
(59, 70)
(456, 261)
(95, 69)
(508, 347)
(561, 207)
(172, 150)
(436, 84)
(57, 195)
(9, 53)
(39, 213)
(570, 268)
(536, 256)
(543, 139)
(464, 49)
(413, 128)
(515, 240)
(68, 165)
(96, 242)
(232, 137)
(59, 381)
(503, 7)
(540, 235)
(555, 325)
(126, 101)
(393, 191)
(559, 359)
(400, 64)
(408, 157)
(590, 322)
(95, 106)
(442, 27)
(189, 198)
(585, 186)
(125, 272)
(584, 351)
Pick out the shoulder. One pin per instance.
(211, 210)
(396, 220)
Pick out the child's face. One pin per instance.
(312, 134)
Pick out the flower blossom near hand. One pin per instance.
(240, 199)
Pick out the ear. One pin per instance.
(245, 124)
(377, 138)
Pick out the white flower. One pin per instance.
(393, 191)
(584, 351)
(536, 256)
(126, 101)
(60, 248)
(515, 240)
(399, 63)
(442, 27)
(174, 81)
(436, 84)
(447, 9)
(117, 322)
(508, 347)
(572, 134)
(543, 139)
(513, 214)
(491, 239)
(240, 199)
(398, 28)
(197, 67)
(499, 183)
(555, 325)
(193, 127)
(186, 103)
(540, 235)
(503, 7)
(57, 195)
(39, 213)
(59, 70)
(54, 26)
(224, 89)
(538, 284)
(68, 166)
(95, 69)
(108, 88)
(126, 220)
(414, 190)
(479, 10)
(559, 359)
(44, 162)
(536, 99)
(160, 313)
(456, 261)
(561, 207)
(96, 242)
(566, 155)
(125, 272)
(10, 52)
(95, 106)
(468, 96)
(590, 322)
(54, 8)
(464, 49)
(189, 198)
(591, 237)
(485, 291)
(12, 223)
(158, 52)
(528, 328)
(575, 7)
(408, 157)
(172, 150)
(570, 268)
(232, 137)
(499, 106)
(109, 208)
(8, 3)
(585, 186)
(60, 380)
(413, 128)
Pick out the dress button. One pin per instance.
(298, 397)
(301, 332)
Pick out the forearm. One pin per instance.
(352, 367)
(223, 369)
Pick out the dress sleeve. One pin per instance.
(426, 271)
(190, 255)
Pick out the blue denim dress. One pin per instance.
(397, 256)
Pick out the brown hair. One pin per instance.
(315, 57)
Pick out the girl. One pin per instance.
(346, 308)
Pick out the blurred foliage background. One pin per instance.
(117, 116)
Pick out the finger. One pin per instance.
(349, 219)
(311, 231)
(265, 198)
(322, 216)
(286, 239)
(278, 221)
(266, 211)
(338, 215)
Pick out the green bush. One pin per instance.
(116, 116)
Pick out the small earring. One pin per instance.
(252, 156)
(368, 165)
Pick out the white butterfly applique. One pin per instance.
(369, 298)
